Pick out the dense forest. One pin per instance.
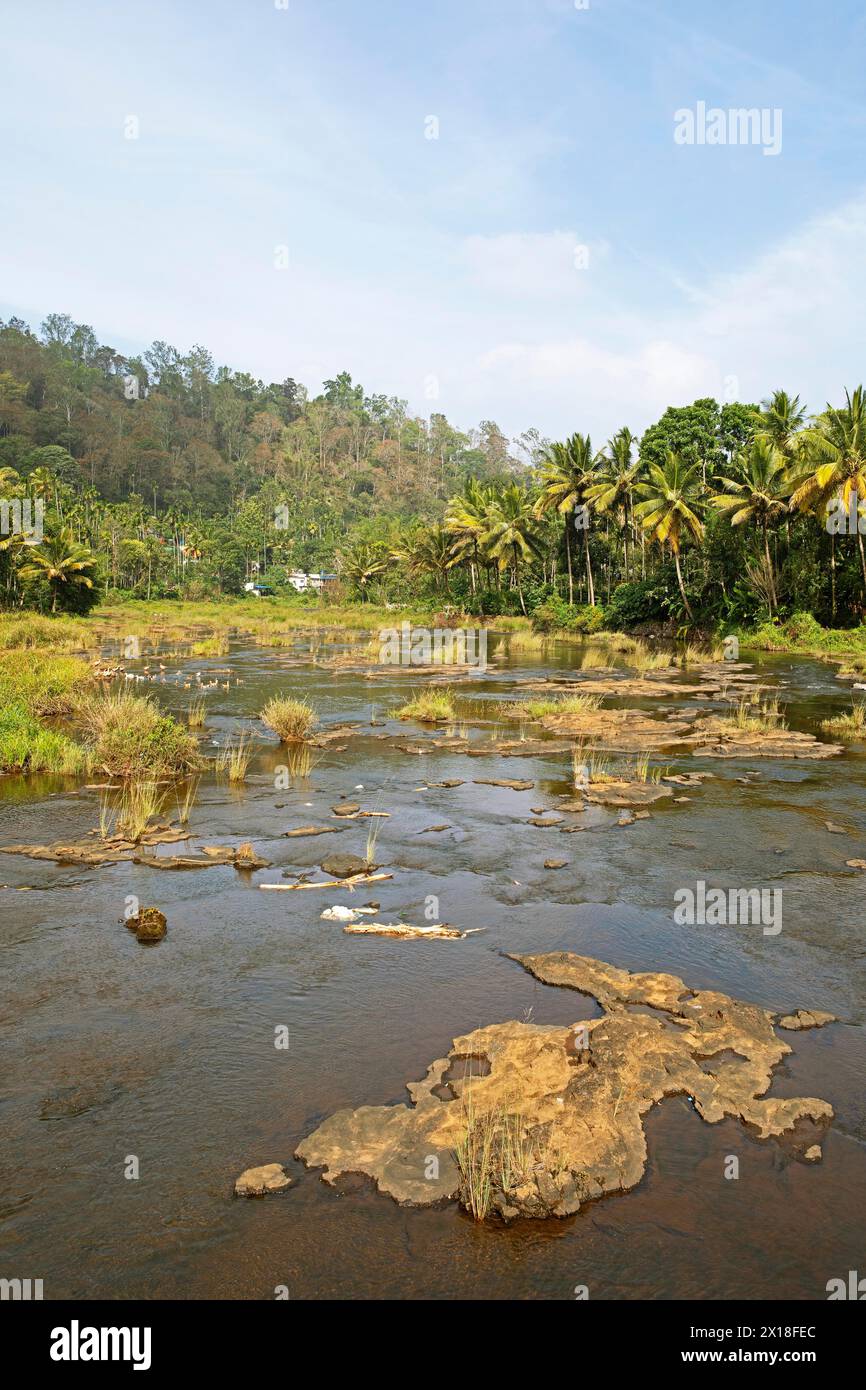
(164, 475)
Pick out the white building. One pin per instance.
(301, 581)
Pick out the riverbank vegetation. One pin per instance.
(164, 479)
(55, 717)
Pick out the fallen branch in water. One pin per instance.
(401, 929)
(328, 883)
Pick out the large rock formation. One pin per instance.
(561, 1108)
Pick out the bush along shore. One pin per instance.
(715, 518)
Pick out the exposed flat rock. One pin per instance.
(623, 730)
(111, 850)
(805, 1018)
(244, 857)
(257, 1182)
(345, 865)
(304, 830)
(577, 1094)
(510, 785)
(627, 793)
(717, 737)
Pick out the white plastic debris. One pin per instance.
(346, 914)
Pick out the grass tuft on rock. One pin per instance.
(289, 718)
(561, 704)
(849, 725)
(494, 1155)
(131, 738)
(429, 707)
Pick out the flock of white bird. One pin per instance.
(146, 675)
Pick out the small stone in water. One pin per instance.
(256, 1182)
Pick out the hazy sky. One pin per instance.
(450, 265)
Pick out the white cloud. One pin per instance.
(793, 318)
(531, 262)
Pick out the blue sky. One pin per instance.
(445, 270)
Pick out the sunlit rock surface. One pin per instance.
(579, 1093)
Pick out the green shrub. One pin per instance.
(131, 738)
(640, 601)
(555, 615)
(27, 746)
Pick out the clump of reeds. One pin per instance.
(588, 766)
(594, 659)
(184, 807)
(852, 724)
(756, 715)
(429, 707)
(233, 759)
(196, 712)
(217, 645)
(300, 760)
(641, 771)
(129, 814)
(130, 737)
(619, 642)
(582, 703)
(642, 659)
(494, 1155)
(289, 718)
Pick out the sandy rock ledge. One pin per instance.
(574, 1096)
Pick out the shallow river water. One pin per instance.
(111, 1049)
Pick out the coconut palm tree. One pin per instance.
(428, 551)
(362, 562)
(757, 491)
(833, 462)
(567, 472)
(62, 562)
(513, 538)
(41, 483)
(467, 519)
(12, 549)
(614, 490)
(669, 510)
(781, 417)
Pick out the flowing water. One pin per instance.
(112, 1049)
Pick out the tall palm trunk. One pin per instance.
(568, 562)
(590, 586)
(832, 575)
(682, 585)
(771, 579)
(517, 581)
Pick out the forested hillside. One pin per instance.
(166, 475)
